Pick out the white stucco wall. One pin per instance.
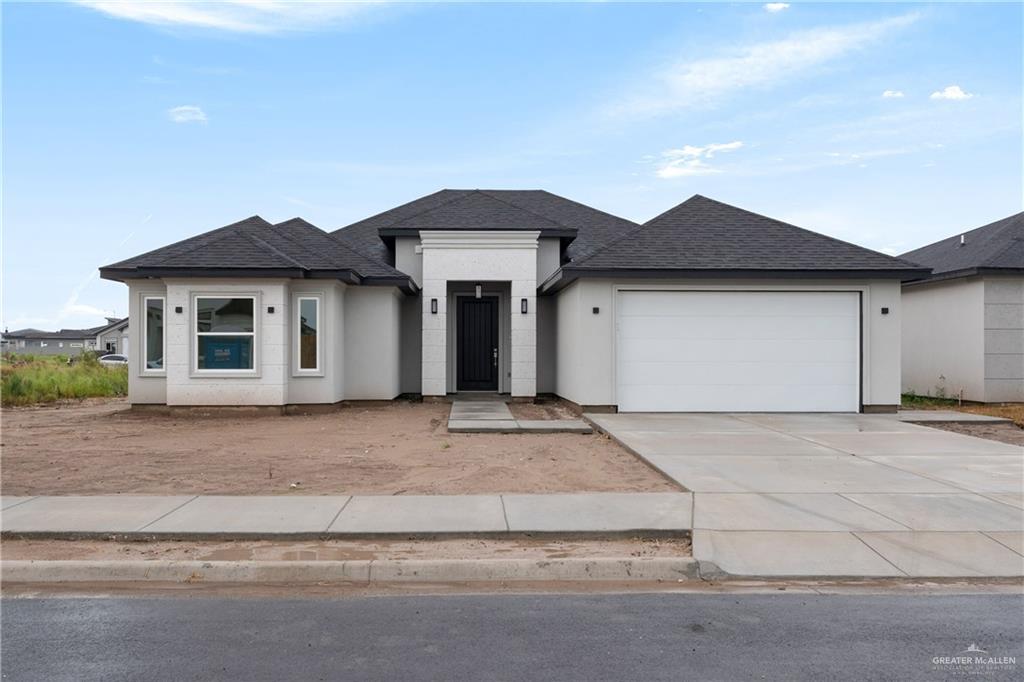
(586, 354)
(547, 348)
(326, 385)
(267, 384)
(409, 259)
(373, 327)
(494, 256)
(549, 257)
(1004, 339)
(943, 338)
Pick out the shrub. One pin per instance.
(28, 379)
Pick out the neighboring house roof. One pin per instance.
(256, 248)
(996, 247)
(702, 237)
(489, 209)
(112, 323)
(62, 334)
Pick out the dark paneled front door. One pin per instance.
(477, 343)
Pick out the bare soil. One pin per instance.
(1005, 433)
(555, 409)
(344, 550)
(102, 447)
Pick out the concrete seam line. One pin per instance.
(874, 511)
(165, 515)
(422, 570)
(18, 504)
(504, 514)
(988, 534)
(350, 497)
(883, 557)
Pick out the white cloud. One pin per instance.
(237, 16)
(951, 92)
(187, 114)
(760, 65)
(891, 94)
(774, 7)
(690, 160)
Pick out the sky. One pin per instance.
(130, 125)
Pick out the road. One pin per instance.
(664, 636)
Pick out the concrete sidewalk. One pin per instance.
(270, 517)
(801, 495)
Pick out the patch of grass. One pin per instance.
(1014, 411)
(30, 379)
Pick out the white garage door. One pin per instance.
(738, 351)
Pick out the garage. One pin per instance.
(738, 351)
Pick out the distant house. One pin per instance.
(111, 337)
(963, 325)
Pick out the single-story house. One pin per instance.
(963, 325)
(707, 307)
(111, 337)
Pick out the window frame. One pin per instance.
(297, 369)
(194, 368)
(143, 337)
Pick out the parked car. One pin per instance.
(114, 359)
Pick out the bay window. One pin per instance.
(225, 330)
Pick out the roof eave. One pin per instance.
(559, 232)
(568, 274)
(962, 274)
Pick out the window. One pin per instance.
(308, 330)
(225, 333)
(153, 335)
(75, 345)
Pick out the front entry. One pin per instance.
(477, 344)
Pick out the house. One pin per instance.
(707, 307)
(113, 338)
(963, 325)
(110, 337)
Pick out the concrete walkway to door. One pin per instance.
(493, 416)
(837, 494)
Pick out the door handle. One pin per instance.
(495, 354)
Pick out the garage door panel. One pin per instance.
(729, 399)
(738, 351)
(687, 375)
(813, 350)
(657, 303)
(790, 327)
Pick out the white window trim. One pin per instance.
(297, 369)
(145, 370)
(194, 330)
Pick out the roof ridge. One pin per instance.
(253, 238)
(523, 208)
(802, 229)
(413, 215)
(207, 235)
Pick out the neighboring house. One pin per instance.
(113, 338)
(963, 325)
(706, 308)
(69, 341)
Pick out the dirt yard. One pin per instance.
(102, 447)
(1005, 433)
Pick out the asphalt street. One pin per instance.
(660, 636)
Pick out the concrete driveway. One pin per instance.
(837, 494)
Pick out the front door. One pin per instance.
(477, 343)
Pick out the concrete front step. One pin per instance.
(490, 416)
(271, 517)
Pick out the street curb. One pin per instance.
(656, 569)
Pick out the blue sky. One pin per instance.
(127, 126)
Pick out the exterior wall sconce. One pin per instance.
(522, 306)
(177, 309)
(270, 309)
(885, 311)
(479, 291)
(596, 310)
(433, 306)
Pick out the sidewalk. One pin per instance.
(271, 517)
(493, 416)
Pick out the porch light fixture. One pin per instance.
(522, 306)
(433, 306)
(177, 309)
(478, 291)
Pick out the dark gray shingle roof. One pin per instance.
(479, 209)
(703, 234)
(998, 245)
(293, 247)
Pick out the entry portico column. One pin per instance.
(480, 256)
